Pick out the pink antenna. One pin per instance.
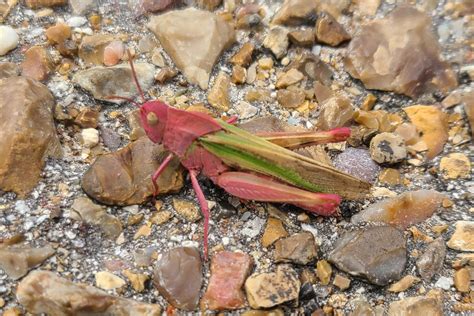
(112, 97)
(134, 74)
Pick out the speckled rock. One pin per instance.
(455, 165)
(44, 292)
(8, 70)
(178, 277)
(377, 254)
(431, 260)
(130, 182)
(463, 236)
(17, 260)
(388, 148)
(299, 248)
(8, 39)
(194, 39)
(357, 162)
(103, 82)
(377, 53)
(228, 273)
(28, 133)
(407, 209)
(269, 289)
(419, 305)
(188, 210)
(296, 12)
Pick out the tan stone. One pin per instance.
(108, 281)
(37, 64)
(161, 217)
(265, 63)
(273, 231)
(218, 96)
(342, 282)
(463, 236)
(187, 210)
(243, 57)
(36, 4)
(137, 280)
(419, 305)
(324, 271)
(296, 12)
(455, 166)
(277, 41)
(404, 284)
(194, 39)
(304, 38)
(290, 99)
(335, 112)
(329, 31)
(390, 176)
(17, 260)
(239, 74)
(289, 78)
(91, 49)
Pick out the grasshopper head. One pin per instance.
(153, 116)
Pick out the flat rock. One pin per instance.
(194, 39)
(290, 99)
(108, 281)
(8, 70)
(463, 237)
(37, 64)
(388, 148)
(312, 67)
(289, 78)
(218, 96)
(329, 31)
(83, 209)
(274, 230)
(323, 271)
(296, 12)
(419, 305)
(92, 48)
(103, 82)
(433, 125)
(403, 284)
(8, 39)
(399, 53)
(17, 260)
(36, 4)
(377, 254)
(431, 260)
(409, 208)
(269, 289)
(357, 162)
(455, 166)
(299, 248)
(335, 112)
(28, 133)
(188, 210)
(124, 177)
(303, 38)
(243, 57)
(228, 273)
(45, 292)
(178, 277)
(277, 41)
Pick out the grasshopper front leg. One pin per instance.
(204, 207)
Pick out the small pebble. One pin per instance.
(8, 39)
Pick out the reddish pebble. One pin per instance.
(37, 63)
(229, 271)
(113, 53)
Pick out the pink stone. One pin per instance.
(113, 53)
(229, 271)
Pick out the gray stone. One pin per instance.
(298, 248)
(17, 260)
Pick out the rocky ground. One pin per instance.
(81, 235)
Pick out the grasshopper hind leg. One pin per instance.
(261, 188)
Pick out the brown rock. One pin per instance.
(28, 133)
(210, 5)
(87, 118)
(296, 12)
(273, 231)
(194, 39)
(239, 74)
(186, 209)
(37, 64)
(298, 248)
(454, 166)
(342, 282)
(158, 5)
(218, 96)
(86, 211)
(290, 99)
(17, 260)
(44, 292)
(462, 280)
(403, 284)
(469, 109)
(269, 289)
(130, 183)
(289, 78)
(228, 273)
(376, 53)
(402, 211)
(243, 57)
(92, 48)
(270, 312)
(5, 8)
(108, 281)
(335, 112)
(390, 176)
(165, 74)
(8, 70)
(324, 271)
(419, 305)
(312, 67)
(431, 260)
(277, 41)
(137, 280)
(258, 95)
(433, 124)
(329, 31)
(58, 33)
(35, 4)
(303, 38)
(178, 277)
(463, 236)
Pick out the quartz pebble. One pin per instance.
(402, 211)
(335, 112)
(8, 39)
(17, 260)
(228, 273)
(113, 52)
(388, 148)
(44, 292)
(92, 48)
(90, 137)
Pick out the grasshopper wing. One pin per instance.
(242, 150)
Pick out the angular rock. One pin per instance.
(17, 260)
(296, 12)
(399, 53)
(403, 284)
(92, 48)
(8, 39)
(335, 112)
(5, 7)
(208, 4)
(44, 292)
(269, 289)
(409, 208)
(165, 74)
(85, 210)
(87, 118)
(113, 52)
(433, 125)
(35, 4)
(243, 57)
(158, 5)
(228, 273)
(431, 260)
(289, 78)
(419, 305)
(377, 254)
(273, 231)
(357, 162)
(454, 166)
(124, 177)
(81, 7)
(137, 280)
(462, 280)
(312, 67)
(108, 281)
(58, 33)
(89, 137)
(324, 271)
(178, 277)
(303, 38)
(8, 70)
(298, 248)
(239, 74)
(218, 96)
(103, 82)
(329, 31)
(463, 236)
(37, 64)
(194, 39)
(28, 133)
(187, 209)
(342, 282)
(290, 99)
(388, 148)
(277, 41)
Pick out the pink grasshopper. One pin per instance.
(247, 166)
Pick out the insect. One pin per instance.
(250, 167)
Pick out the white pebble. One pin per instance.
(90, 137)
(76, 21)
(8, 39)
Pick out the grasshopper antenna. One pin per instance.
(134, 75)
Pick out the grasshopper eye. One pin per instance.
(151, 119)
